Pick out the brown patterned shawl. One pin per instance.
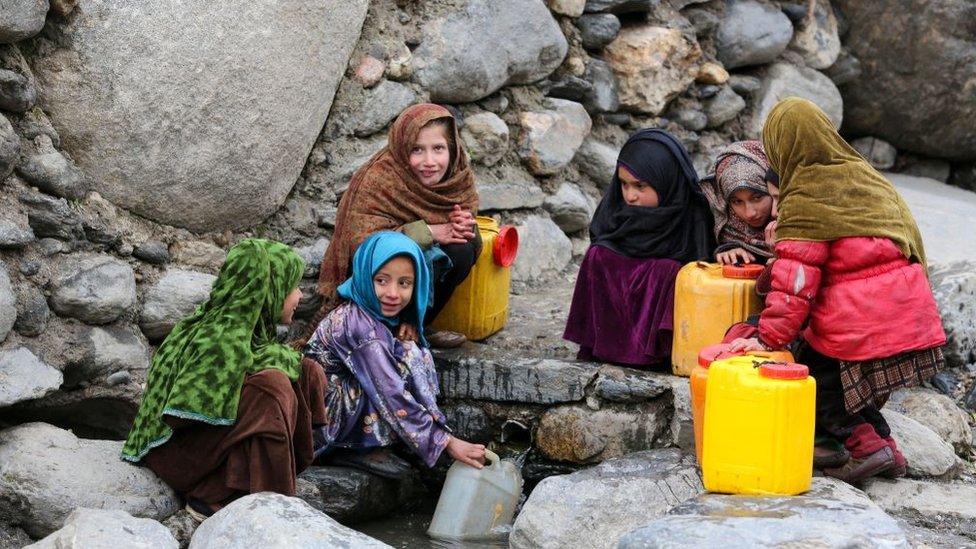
(385, 194)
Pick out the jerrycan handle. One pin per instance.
(493, 458)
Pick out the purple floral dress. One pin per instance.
(379, 389)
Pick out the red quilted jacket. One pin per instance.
(864, 300)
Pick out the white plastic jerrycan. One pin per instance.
(475, 502)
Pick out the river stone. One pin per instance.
(154, 252)
(603, 96)
(174, 296)
(937, 412)
(182, 526)
(598, 160)
(930, 504)
(723, 107)
(619, 6)
(14, 236)
(550, 138)
(381, 105)
(572, 8)
(485, 137)
(784, 80)
(8, 303)
(580, 434)
(25, 376)
(20, 19)
(954, 287)
(95, 289)
(712, 73)
(51, 172)
(751, 33)
(570, 208)
(32, 311)
(9, 147)
(199, 253)
(626, 385)
(653, 65)
(594, 507)
(918, 64)
(351, 495)
(687, 113)
(51, 217)
(108, 350)
(744, 85)
(18, 89)
(108, 529)
(535, 381)
(313, 255)
(544, 249)
(598, 29)
(878, 152)
(468, 55)
(496, 196)
(274, 521)
(818, 42)
(39, 475)
(145, 70)
(927, 454)
(816, 519)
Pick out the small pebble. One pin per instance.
(118, 378)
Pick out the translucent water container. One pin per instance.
(477, 504)
(708, 299)
(699, 379)
(758, 437)
(479, 306)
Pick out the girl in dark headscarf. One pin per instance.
(652, 219)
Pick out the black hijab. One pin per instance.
(679, 228)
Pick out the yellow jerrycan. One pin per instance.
(758, 437)
(708, 299)
(479, 306)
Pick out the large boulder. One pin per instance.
(41, 481)
(917, 67)
(274, 521)
(551, 137)
(594, 507)
(937, 412)
(108, 529)
(544, 249)
(927, 454)
(161, 115)
(944, 214)
(817, 41)
(751, 33)
(927, 503)
(95, 289)
(783, 80)
(175, 295)
(25, 376)
(471, 53)
(652, 64)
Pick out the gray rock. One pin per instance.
(118, 378)
(182, 526)
(519, 193)
(351, 495)
(878, 152)
(744, 85)
(603, 95)
(381, 105)
(21, 19)
(943, 213)
(751, 34)
(619, 6)
(25, 376)
(34, 123)
(468, 422)
(94, 289)
(39, 474)
(572, 8)
(14, 236)
(932, 168)
(652, 65)
(570, 208)
(534, 381)
(704, 22)
(908, 84)
(8, 303)
(595, 507)
(107, 350)
(108, 529)
(688, 113)
(963, 175)
(818, 42)
(937, 412)
(154, 252)
(846, 69)
(497, 103)
(581, 434)
(544, 249)
(485, 137)
(142, 66)
(32, 311)
(598, 29)
(174, 296)
(199, 253)
(927, 503)
(18, 90)
(597, 160)
(9, 147)
(816, 519)
(723, 107)
(276, 522)
(954, 287)
(313, 256)
(48, 170)
(682, 426)
(13, 537)
(625, 385)
(927, 454)
(468, 55)
(51, 217)
(550, 138)
(783, 80)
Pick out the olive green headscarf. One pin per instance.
(199, 369)
(828, 190)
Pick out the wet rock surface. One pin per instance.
(350, 495)
(538, 381)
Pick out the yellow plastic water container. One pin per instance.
(708, 299)
(477, 504)
(479, 306)
(758, 435)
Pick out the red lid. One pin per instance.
(505, 247)
(783, 370)
(749, 270)
(715, 352)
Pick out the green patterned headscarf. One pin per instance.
(199, 369)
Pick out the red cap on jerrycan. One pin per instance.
(715, 352)
(747, 271)
(505, 247)
(783, 370)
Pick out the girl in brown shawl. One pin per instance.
(422, 185)
(738, 195)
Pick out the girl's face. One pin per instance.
(636, 192)
(393, 285)
(430, 156)
(753, 207)
(291, 301)
(774, 194)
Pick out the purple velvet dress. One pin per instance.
(623, 308)
(378, 390)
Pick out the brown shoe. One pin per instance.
(830, 454)
(900, 468)
(445, 339)
(858, 469)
